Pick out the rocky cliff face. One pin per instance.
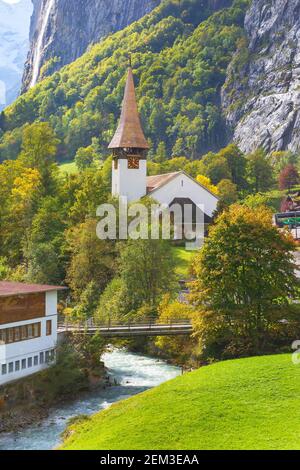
(261, 97)
(61, 30)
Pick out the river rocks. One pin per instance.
(261, 96)
(74, 25)
(28, 401)
(19, 418)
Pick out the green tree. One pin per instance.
(44, 266)
(45, 241)
(91, 259)
(244, 280)
(147, 270)
(87, 303)
(179, 148)
(89, 349)
(20, 191)
(39, 148)
(161, 153)
(259, 199)
(236, 162)
(114, 303)
(227, 193)
(85, 157)
(4, 268)
(91, 191)
(280, 159)
(215, 168)
(259, 171)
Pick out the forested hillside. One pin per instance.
(71, 28)
(180, 54)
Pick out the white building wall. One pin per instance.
(184, 187)
(129, 183)
(51, 303)
(31, 348)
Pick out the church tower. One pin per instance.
(129, 168)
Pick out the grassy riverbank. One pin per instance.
(251, 403)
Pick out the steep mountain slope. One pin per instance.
(14, 43)
(261, 97)
(180, 54)
(61, 30)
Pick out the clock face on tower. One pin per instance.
(133, 163)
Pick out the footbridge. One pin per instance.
(129, 329)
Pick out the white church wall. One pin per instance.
(184, 187)
(127, 182)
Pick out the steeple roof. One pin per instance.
(129, 132)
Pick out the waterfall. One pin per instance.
(39, 45)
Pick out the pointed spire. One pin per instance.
(129, 133)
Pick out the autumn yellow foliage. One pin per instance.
(206, 182)
(178, 347)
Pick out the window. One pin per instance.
(3, 336)
(20, 333)
(23, 332)
(17, 334)
(10, 367)
(23, 363)
(4, 369)
(49, 328)
(42, 359)
(36, 360)
(17, 366)
(10, 335)
(29, 363)
(47, 356)
(30, 331)
(36, 330)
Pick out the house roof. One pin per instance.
(157, 181)
(8, 289)
(129, 133)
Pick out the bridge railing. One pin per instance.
(109, 325)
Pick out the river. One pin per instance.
(133, 372)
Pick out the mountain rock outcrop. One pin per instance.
(261, 96)
(62, 30)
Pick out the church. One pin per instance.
(129, 166)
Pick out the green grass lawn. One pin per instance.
(68, 168)
(183, 261)
(251, 403)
